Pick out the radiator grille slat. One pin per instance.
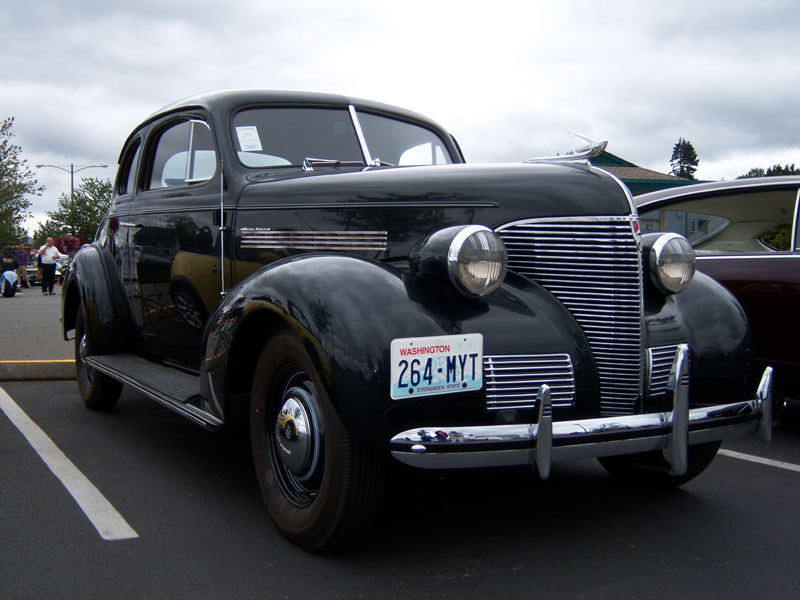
(660, 360)
(593, 266)
(513, 381)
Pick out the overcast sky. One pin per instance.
(508, 79)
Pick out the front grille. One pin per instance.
(513, 381)
(593, 266)
(659, 361)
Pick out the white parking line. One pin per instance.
(762, 461)
(105, 518)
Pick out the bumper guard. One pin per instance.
(671, 432)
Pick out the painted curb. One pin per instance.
(36, 370)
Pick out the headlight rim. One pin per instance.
(452, 259)
(654, 263)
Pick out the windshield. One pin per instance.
(273, 137)
(400, 143)
(279, 137)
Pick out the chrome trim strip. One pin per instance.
(782, 255)
(562, 220)
(623, 187)
(519, 444)
(315, 240)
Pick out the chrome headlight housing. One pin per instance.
(472, 257)
(670, 262)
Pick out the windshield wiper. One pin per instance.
(377, 162)
(309, 163)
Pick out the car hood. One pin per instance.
(492, 194)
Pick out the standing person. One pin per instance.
(49, 254)
(22, 270)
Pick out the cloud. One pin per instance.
(507, 78)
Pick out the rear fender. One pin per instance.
(94, 286)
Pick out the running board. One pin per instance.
(171, 387)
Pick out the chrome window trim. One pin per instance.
(687, 192)
(360, 135)
(794, 223)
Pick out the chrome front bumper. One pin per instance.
(672, 432)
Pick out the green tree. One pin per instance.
(772, 171)
(81, 215)
(16, 182)
(684, 159)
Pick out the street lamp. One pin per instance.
(72, 170)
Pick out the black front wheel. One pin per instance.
(650, 468)
(320, 486)
(98, 391)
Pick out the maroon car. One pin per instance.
(745, 235)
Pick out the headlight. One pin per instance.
(671, 263)
(476, 260)
(472, 257)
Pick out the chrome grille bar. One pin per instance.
(593, 266)
(514, 381)
(659, 361)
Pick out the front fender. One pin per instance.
(94, 286)
(710, 319)
(347, 311)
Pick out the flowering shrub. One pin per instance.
(69, 244)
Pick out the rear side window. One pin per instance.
(126, 178)
(752, 221)
(184, 154)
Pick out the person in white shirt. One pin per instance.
(49, 253)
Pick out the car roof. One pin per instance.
(732, 186)
(223, 100)
(228, 100)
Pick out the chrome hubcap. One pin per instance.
(296, 440)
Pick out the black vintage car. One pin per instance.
(333, 265)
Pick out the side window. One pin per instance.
(184, 154)
(126, 178)
(752, 222)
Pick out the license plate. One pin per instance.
(426, 366)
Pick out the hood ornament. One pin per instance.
(583, 148)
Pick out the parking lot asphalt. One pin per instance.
(201, 530)
(33, 347)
